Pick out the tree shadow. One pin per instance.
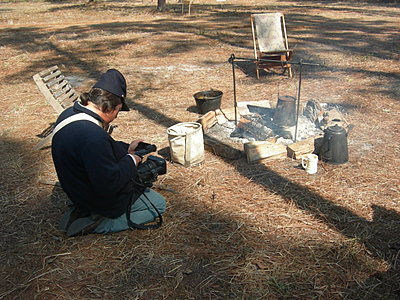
(325, 31)
(25, 216)
(305, 29)
(248, 68)
(203, 251)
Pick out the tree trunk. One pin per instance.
(161, 5)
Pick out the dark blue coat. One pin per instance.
(93, 168)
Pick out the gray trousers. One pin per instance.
(141, 212)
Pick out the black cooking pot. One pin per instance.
(334, 145)
(208, 100)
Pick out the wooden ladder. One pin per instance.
(57, 91)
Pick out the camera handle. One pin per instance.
(141, 226)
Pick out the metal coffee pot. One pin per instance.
(334, 145)
(285, 111)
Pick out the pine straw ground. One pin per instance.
(232, 230)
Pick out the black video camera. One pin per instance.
(149, 170)
(143, 149)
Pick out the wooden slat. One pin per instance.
(55, 81)
(75, 97)
(62, 86)
(48, 71)
(57, 87)
(51, 76)
(64, 90)
(47, 94)
(69, 101)
(65, 96)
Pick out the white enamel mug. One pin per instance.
(310, 163)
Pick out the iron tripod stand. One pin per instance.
(232, 59)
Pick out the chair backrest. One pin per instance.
(55, 88)
(269, 32)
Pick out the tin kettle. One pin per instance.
(334, 145)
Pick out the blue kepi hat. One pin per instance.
(114, 82)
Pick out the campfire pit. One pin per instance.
(262, 133)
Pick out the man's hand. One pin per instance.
(131, 150)
(133, 145)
